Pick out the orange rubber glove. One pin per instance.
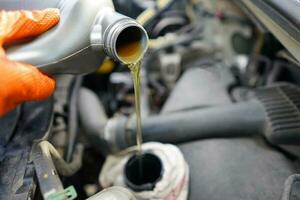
(21, 82)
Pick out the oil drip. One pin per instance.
(130, 53)
(135, 69)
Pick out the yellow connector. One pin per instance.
(107, 66)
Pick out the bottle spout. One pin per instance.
(121, 37)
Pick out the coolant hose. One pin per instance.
(92, 117)
(233, 120)
(241, 119)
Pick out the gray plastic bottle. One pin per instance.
(88, 31)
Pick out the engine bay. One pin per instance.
(219, 81)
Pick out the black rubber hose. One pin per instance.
(235, 120)
(92, 117)
(73, 118)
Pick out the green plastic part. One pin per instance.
(67, 194)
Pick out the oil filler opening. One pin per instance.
(143, 171)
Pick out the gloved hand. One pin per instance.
(20, 82)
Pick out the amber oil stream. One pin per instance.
(130, 53)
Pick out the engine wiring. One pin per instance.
(170, 38)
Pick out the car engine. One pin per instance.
(220, 102)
